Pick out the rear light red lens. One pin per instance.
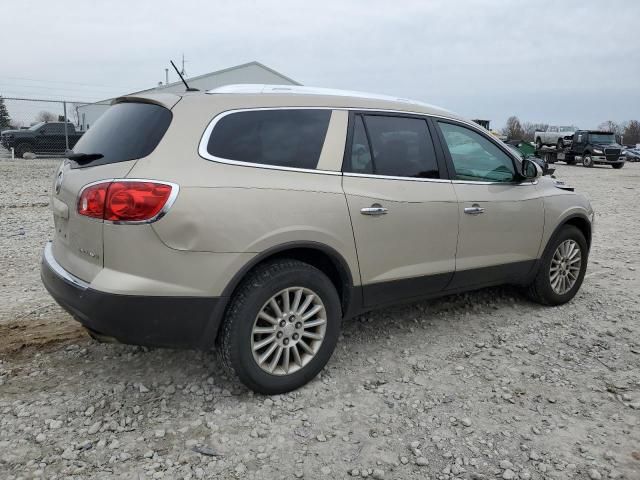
(123, 201)
(91, 201)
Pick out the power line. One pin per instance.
(57, 89)
(63, 82)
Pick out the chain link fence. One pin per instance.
(31, 128)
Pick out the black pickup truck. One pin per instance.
(44, 138)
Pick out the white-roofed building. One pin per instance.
(252, 72)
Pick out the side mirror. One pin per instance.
(530, 169)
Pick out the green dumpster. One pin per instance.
(526, 148)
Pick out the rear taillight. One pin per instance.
(126, 200)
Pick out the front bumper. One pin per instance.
(134, 319)
(601, 159)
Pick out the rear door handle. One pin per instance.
(474, 210)
(375, 209)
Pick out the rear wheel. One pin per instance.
(587, 160)
(281, 327)
(562, 268)
(617, 166)
(22, 148)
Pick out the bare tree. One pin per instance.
(529, 130)
(631, 132)
(610, 126)
(513, 129)
(45, 116)
(72, 111)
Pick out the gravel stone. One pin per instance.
(71, 407)
(594, 474)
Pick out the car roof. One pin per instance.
(332, 97)
(274, 96)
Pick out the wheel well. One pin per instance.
(334, 268)
(583, 225)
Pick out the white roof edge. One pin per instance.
(255, 88)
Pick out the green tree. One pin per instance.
(5, 120)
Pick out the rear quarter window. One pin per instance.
(126, 131)
(291, 138)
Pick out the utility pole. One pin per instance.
(166, 76)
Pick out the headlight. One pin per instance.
(597, 150)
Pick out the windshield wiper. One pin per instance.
(82, 158)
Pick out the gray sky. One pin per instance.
(560, 62)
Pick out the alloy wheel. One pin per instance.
(288, 331)
(565, 267)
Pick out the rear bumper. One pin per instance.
(183, 322)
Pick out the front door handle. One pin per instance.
(375, 209)
(475, 209)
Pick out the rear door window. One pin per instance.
(126, 131)
(401, 147)
(291, 138)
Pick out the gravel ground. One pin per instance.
(477, 386)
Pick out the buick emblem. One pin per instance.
(58, 184)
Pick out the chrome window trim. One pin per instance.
(59, 270)
(404, 179)
(473, 182)
(204, 141)
(175, 189)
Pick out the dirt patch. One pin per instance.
(26, 336)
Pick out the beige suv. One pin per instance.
(258, 218)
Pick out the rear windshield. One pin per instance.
(126, 131)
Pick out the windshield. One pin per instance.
(35, 127)
(566, 129)
(127, 131)
(602, 138)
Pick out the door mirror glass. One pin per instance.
(530, 169)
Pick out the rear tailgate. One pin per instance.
(77, 241)
(128, 131)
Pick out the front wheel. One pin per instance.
(281, 327)
(23, 148)
(587, 160)
(617, 166)
(562, 268)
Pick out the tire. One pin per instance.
(617, 166)
(538, 143)
(541, 290)
(239, 342)
(22, 148)
(560, 144)
(587, 161)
